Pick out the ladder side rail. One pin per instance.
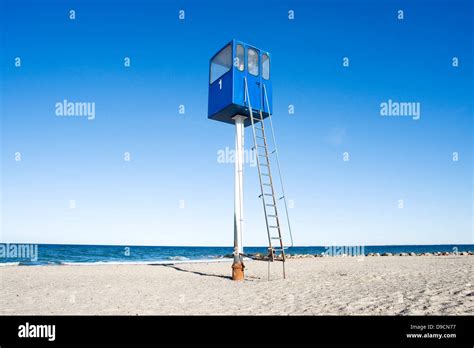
(274, 198)
(275, 206)
(278, 164)
(269, 172)
(247, 97)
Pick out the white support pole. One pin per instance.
(237, 267)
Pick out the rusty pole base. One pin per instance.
(238, 271)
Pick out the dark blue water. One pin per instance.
(52, 254)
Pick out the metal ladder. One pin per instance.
(267, 191)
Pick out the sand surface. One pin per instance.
(331, 285)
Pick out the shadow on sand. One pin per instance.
(189, 271)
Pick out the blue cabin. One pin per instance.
(228, 70)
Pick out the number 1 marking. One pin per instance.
(220, 84)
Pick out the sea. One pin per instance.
(57, 254)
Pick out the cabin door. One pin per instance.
(254, 78)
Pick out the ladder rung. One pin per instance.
(271, 205)
(272, 226)
(259, 128)
(265, 155)
(281, 197)
(271, 215)
(266, 165)
(258, 136)
(265, 174)
(266, 184)
(275, 238)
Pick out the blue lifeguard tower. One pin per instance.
(234, 65)
(240, 93)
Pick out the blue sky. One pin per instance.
(174, 156)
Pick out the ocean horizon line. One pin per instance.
(245, 246)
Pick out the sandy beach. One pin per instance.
(390, 285)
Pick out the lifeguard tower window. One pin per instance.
(221, 63)
(239, 57)
(252, 61)
(265, 66)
